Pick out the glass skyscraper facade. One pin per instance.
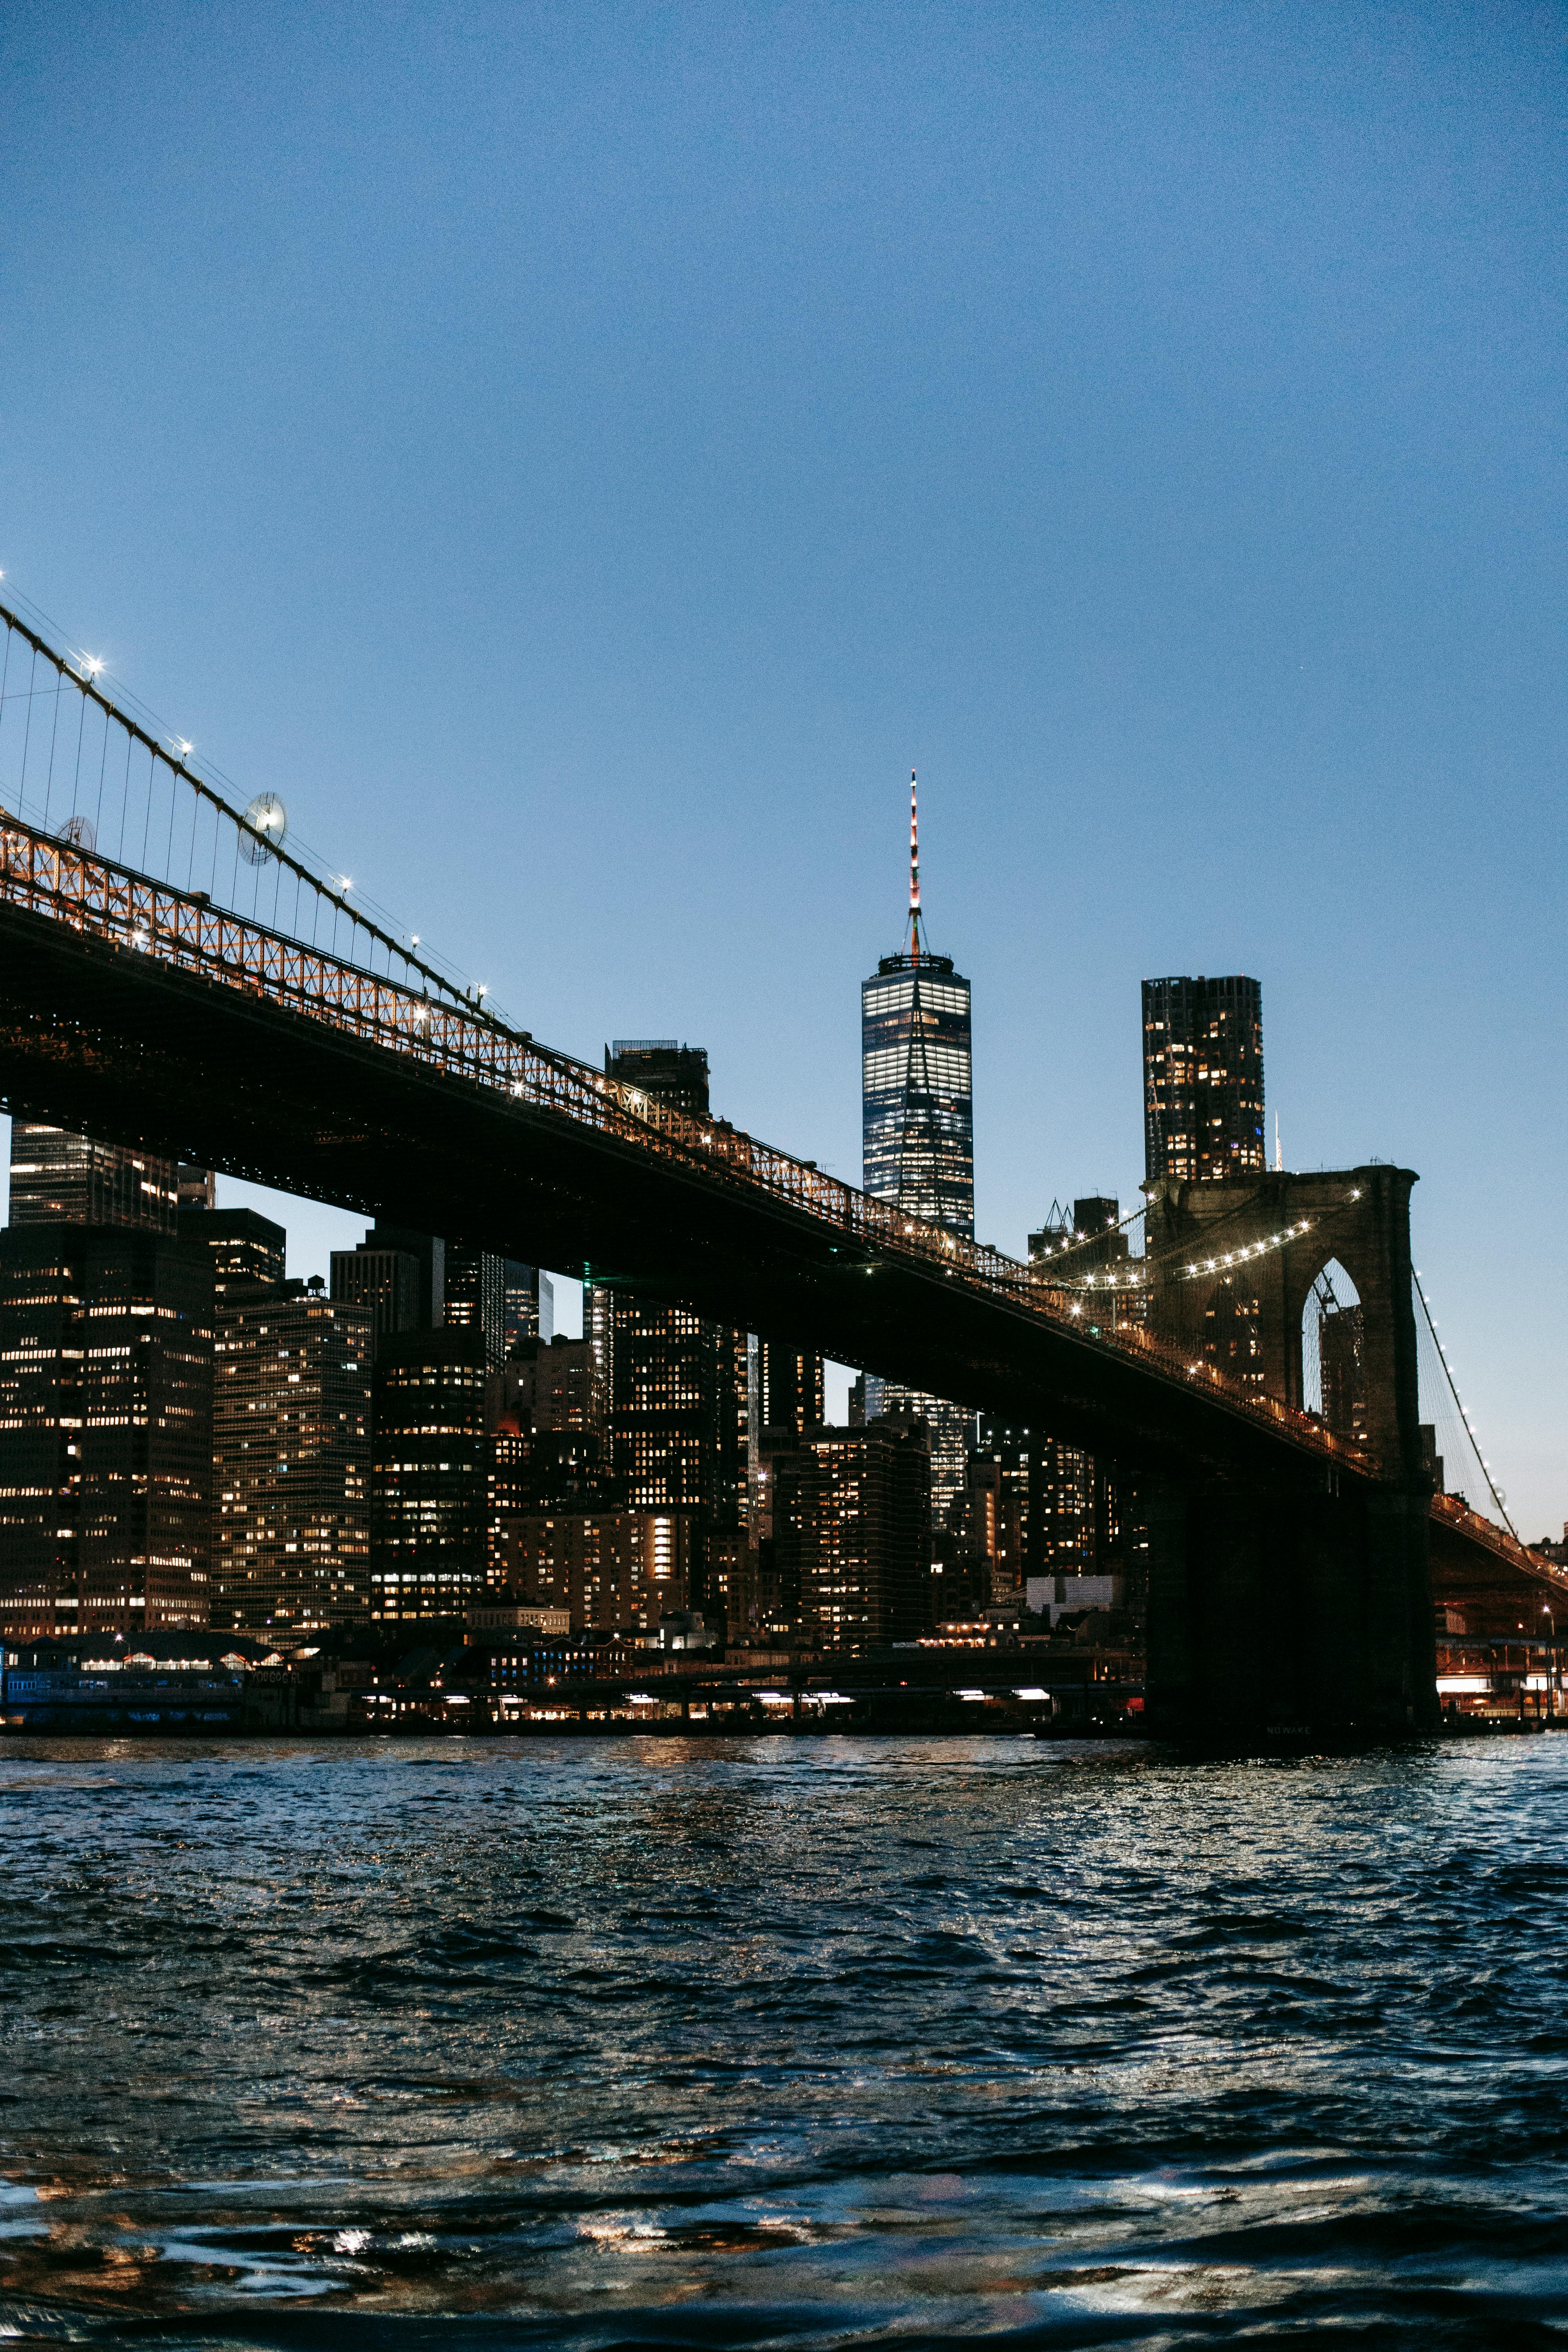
(917, 1090)
(1202, 1078)
(918, 1136)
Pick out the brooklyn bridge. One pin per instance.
(173, 976)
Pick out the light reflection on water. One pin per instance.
(782, 2043)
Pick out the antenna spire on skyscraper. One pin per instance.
(914, 869)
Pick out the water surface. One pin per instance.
(804, 2043)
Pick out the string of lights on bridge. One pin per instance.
(259, 841)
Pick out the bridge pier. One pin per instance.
(1287, 1613)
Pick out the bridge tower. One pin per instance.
(1313, 1606)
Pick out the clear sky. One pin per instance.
(584, 456)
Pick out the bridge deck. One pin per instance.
(157, 1016)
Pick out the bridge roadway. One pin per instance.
(146, 1015)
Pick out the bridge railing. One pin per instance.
(1485, 1531)
(185, 929)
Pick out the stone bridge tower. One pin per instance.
(1311, 1606)
(1257, 1298)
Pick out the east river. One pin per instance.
(782, 2043)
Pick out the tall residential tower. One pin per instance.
(1202, 1078)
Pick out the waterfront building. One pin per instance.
(615, 1570)
(432, 1422)
(1202, 1078)
(293, 1443)
(106, 1445)
(247, 1251)
(918, 1136)
(57, 1173)
(852, 1532)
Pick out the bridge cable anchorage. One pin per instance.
(1464, 1416)
(83, 673)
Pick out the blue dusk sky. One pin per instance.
(584, 456)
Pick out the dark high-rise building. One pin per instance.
(476, 1298)
(195, 1188)
(664, 1069)
(292, 1436)
(1202, 1078)
(851, 1516)
(387, 1282)
(560, 1384)
(791, 1392)
(525, 1311)
(106, 1447)
(57, 1173)
(918, 1135)
(430, 1255)
(247, 1251)
(676, 1386)
(431, 1458)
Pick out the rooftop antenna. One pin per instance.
(914, 872)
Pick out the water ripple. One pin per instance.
(811, 2043)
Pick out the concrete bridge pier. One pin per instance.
(1288, 1613)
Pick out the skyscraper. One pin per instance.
(675, 1385)
(292, 1436)
(852, 1532)
(475, 1297)
(791, 1393)
(55, 1172)
(247, 1250)
(1202, 1078)
(383, 1279)
(917, 1134)
(106, 1446)
(916, 1083)
(430, 1474)
(529, 1304)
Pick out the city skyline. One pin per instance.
(1211, 578)
(543, 1807)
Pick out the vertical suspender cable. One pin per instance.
(80, 725)
(102, 764)
(5, 677)
(27, 733)
(49, 780)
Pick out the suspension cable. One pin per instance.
(1464, 1416)
(178, 768)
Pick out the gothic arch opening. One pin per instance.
(1333, 1353)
